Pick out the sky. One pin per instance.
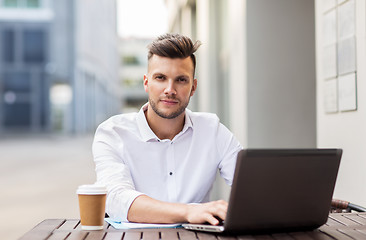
(141, 18)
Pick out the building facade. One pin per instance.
(284, 73)
(255, 68)
(58, 65)
(133, 66)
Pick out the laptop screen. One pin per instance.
(278, 189)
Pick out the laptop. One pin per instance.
(278, 190)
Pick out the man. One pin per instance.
(159, 160)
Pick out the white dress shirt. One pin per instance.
(131, 160)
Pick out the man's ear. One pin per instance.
(146, 83)
(194, 87)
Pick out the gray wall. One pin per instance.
(281, 73)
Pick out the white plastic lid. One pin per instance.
(91, 189)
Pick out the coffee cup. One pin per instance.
(92, 200)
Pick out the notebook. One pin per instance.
(278, 190)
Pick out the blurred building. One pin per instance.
(255, 68)
(58, 65)
(284, 73)
(133, 66)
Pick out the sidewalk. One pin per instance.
(39, 176)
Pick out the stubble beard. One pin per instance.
(170, 115)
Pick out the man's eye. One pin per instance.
(182, 79)
(159, 77)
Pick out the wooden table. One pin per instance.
(339, 226)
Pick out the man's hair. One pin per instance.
(174, 46)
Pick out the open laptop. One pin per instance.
(278, 190)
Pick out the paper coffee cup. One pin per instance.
(92, 206)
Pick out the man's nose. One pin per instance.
(170, 88)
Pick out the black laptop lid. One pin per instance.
(282, 189)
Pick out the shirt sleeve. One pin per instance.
(113, 173)
(228, 148)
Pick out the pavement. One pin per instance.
(39, 176)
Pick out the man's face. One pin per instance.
(170, 84)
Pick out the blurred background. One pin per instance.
(278, 73)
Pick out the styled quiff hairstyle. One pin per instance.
(174, 46)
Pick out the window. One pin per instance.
(33, 4)
(34, 46)
(8, 46)
(10, 3)
(17, 115)
(18, 82)
(130, 60)
(21, 3)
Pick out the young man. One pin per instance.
(159, 160)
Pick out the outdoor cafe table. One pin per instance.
(339, 226)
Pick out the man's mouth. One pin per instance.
(169, 101)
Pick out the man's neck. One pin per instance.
(162, 127)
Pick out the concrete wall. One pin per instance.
(344, 129)
(281, 73)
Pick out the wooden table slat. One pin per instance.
(205, 236)
(246, 237)
(78, 227)
(346, 221)
(150, 235)
(186, 235)
(167, 235)
(357, 218)
(113, 235)
(263, 237)
(223, 237)
(43, 229)
(353, 233)
(69, 225)
(362, 231)
(35, 235)
(132, 236)
(77, 235)
(335, 233)
(333, 223)
(95, 235)
(282, 236)
(317, 235)
(300, 236)
(59, 235)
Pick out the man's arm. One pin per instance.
(149, 210)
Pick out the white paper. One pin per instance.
(130, 225)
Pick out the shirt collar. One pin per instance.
(147, 134)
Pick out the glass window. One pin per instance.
(10, 3)
(17, 115)
(34, 46)
(33, 4)
(8, 45)
(18, 82)
(130, 60)
(21, 3)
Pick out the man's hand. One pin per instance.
(207, 212)
(149, 210)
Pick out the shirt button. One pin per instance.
(170, 173)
